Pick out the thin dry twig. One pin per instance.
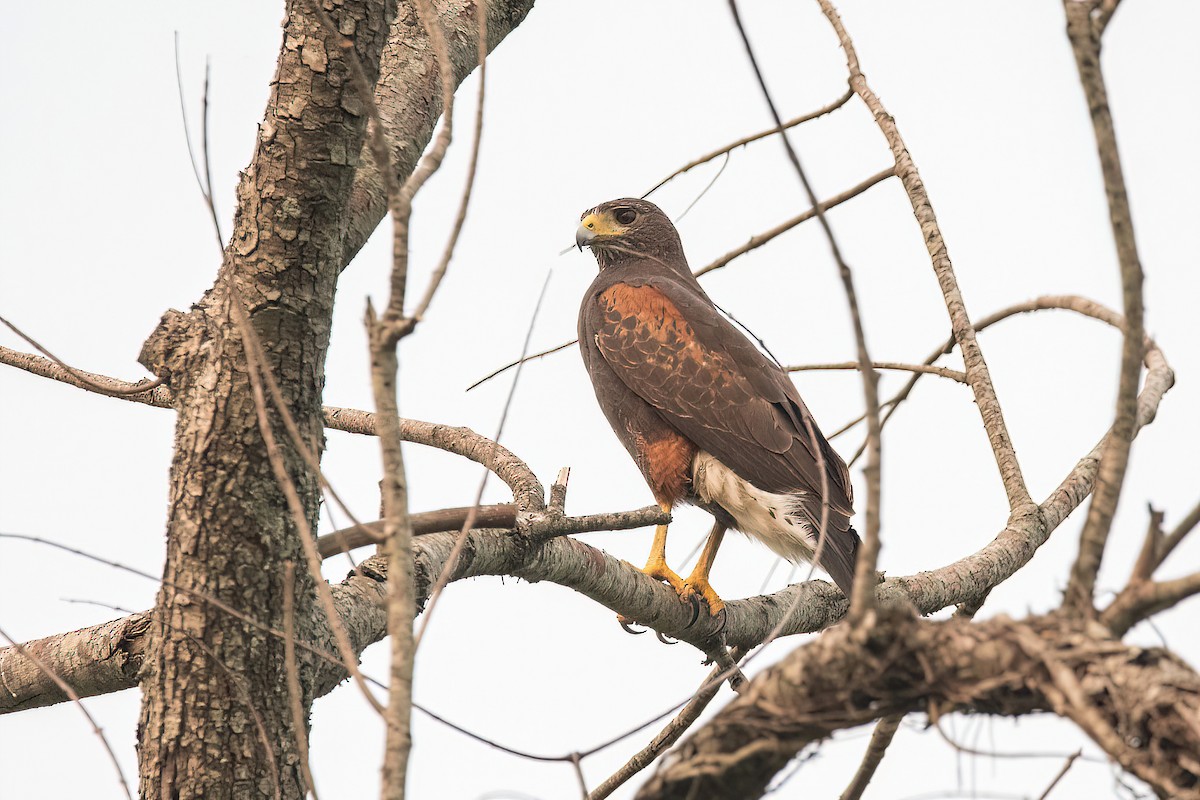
(384, 334)
(704, 159)
(759, 239)
(439, 272)
(978, 375)
(1143, 568)
(1140, 601)
(527, 491)
(503, 515)
(881, 738)
(1085, 26)
(1061, 774)
(396, 324)
(70, 692)
(1074, 303)
(452, 561)
(864, 585)
(205, 183)
(668, 735)
(292, 674)
(83, 379)
(512, 364)
(927, 369)
(971, 751)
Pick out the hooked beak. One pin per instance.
(585, 234)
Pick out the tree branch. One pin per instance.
(881, 737)
(978, 374)
(105, 658)
(989, 667)
(1085, 24)
(759, 239)
(791, 123)
(409, 97)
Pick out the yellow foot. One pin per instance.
(658, 569)
(699, 586)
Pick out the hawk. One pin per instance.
(709, 420)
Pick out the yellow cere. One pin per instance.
(602, 224)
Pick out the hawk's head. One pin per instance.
(629, 228)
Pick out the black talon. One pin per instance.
(625, 623)
(663, 639)
(695, 602)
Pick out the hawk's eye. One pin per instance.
(625, 216)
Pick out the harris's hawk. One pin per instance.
(707, 417)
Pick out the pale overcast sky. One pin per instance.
(102, 229)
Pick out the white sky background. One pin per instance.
(102, 229)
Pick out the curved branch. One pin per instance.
(527, 490)
(1085, 24)
(960, 322)
(1068, 302)
(144, 391)
(996, 667)
(105, 658)
(409, 97)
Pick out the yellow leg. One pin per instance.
(697, 583)
(656, 566)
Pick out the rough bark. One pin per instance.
(228, 532)
(408, 96)
(1141, 705)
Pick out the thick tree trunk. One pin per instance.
(216, 720)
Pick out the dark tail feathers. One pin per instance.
(839, 556)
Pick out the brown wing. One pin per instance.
(672, 348)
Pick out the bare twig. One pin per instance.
(394, 319)
(66, 689)
(976, 367)
(452, 561)
(1142, 600)
(1172, 539)
(439, 272)
(927, 369)
(704, 159)
(518, 362)
(667, 736)
(881, 737)
(204, 183)
(708, 186)
(864, 585)
(1085, 24)
(527, 491)
(82, 379)
(291, 671)
(1143, 568)
(446, 519)
(1079, 305)
(758, 240)
(1061, 774)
